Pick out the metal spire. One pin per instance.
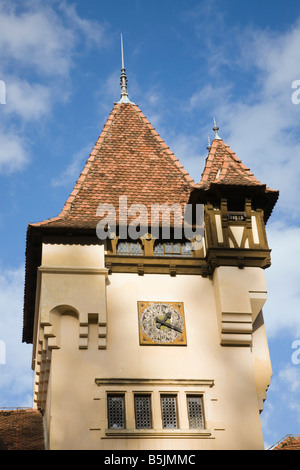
(215, 129)
(124, 94)
(209, 146)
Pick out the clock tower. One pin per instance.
(144, 296)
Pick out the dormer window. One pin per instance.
(218, 173)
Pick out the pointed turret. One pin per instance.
(129, 159)
(225, 175)
(237, 207)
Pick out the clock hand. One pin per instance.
(166, 317)
(169, 325)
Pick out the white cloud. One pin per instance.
(13, 152)
(281, 414)
(93, 32)
(36, 38)
(209, 96)
(287, 385)
(290, 375)
(29, 101)
(260, 123)
(187, 150)
(281, 310)
(261, 126)
(277, 57)
(70, 175)
(257, 133)
(16, 384)
(107, 89)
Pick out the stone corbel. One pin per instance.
(239, 299)
(84, 333)
(140, 269)
(173, 270)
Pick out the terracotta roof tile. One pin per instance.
(21, 429)
(129, 159)
(289, 442)
(225, 174)
(224, 167)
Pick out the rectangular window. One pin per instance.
(116, 411)
(129, 249)
(195, 411)
(169, 411)
(164, 248)
(142, 406)
(236, 216)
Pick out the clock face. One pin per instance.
(161, 323)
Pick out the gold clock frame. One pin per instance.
(145, 340)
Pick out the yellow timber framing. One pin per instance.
(221, 249)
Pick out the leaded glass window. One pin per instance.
(159, 249)
(142, 404)
(195, 411)
(173, 249)
(116, 412)
(186, 249)
(169, 411)
(129, 248)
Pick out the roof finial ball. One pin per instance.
(215, 129)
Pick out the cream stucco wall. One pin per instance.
(89, 321)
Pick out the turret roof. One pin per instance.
(224, 167)
(129, 159)
(225, 175)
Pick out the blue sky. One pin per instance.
(186, 62)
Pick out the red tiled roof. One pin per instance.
(225, 175)
(21, 429)
(129, 159)
(289, 443)
(224, 167)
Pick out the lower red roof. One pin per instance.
(21, 429)
(289, 443)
